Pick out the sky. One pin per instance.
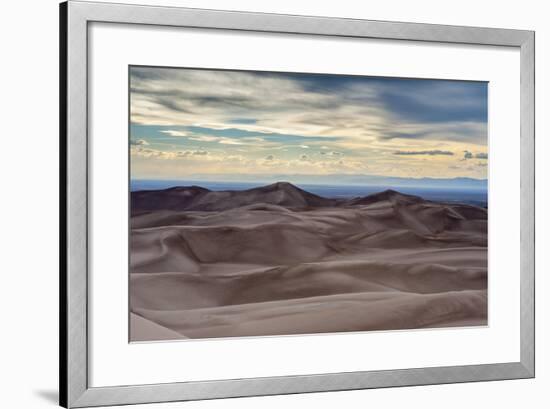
(193, 123)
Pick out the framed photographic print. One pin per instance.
(258, 204)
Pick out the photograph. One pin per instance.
(274, 203)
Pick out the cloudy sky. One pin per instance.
(189, 123)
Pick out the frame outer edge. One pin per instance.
(298, 24)
(78, 392)
(298, 384)
(77, 228)
(63, 370)
(527, 235)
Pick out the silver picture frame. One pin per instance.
(75, 16)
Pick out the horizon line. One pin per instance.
(192, 177)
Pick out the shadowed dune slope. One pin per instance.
(278, 260)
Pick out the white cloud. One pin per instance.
(204, 138)
(175, 133)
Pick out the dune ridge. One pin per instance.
(278, 260)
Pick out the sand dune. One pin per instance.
(278, 260)
(334, 313)
(142, 329)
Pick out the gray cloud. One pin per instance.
(430, 153)
(198, 152)
(432, 101)
(269, 157)
(139, 142)
(472, 132)
(471, 155)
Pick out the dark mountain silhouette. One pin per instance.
(280, 193)
(200, 199)
(175, 198)
(389, 195)
(284, 194)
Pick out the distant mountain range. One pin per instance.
(284, 194)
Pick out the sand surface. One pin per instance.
(280, 262)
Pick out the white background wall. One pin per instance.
(29, 220)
